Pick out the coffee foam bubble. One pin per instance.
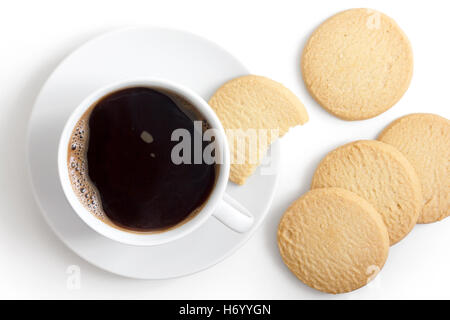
(86, 192)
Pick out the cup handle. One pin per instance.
(232, 214)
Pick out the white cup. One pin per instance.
(219, 204)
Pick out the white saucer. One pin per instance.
(131, 53)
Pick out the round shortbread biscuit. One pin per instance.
(333, 240)
(357, 64)
(424, 139)
(255, 106)
(380, 174)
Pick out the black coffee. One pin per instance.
(120, 162)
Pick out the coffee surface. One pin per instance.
(124, 145)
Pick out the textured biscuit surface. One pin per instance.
(255, 103)
(357, 64)
(380, 174)
(424, 139)
(333, 240)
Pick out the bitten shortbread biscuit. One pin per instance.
(357, 64)
(424, 139)
(380, 174)
(254, 107)
(333, 240)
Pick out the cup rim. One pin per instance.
(156, 238)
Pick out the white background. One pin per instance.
(267, 36)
